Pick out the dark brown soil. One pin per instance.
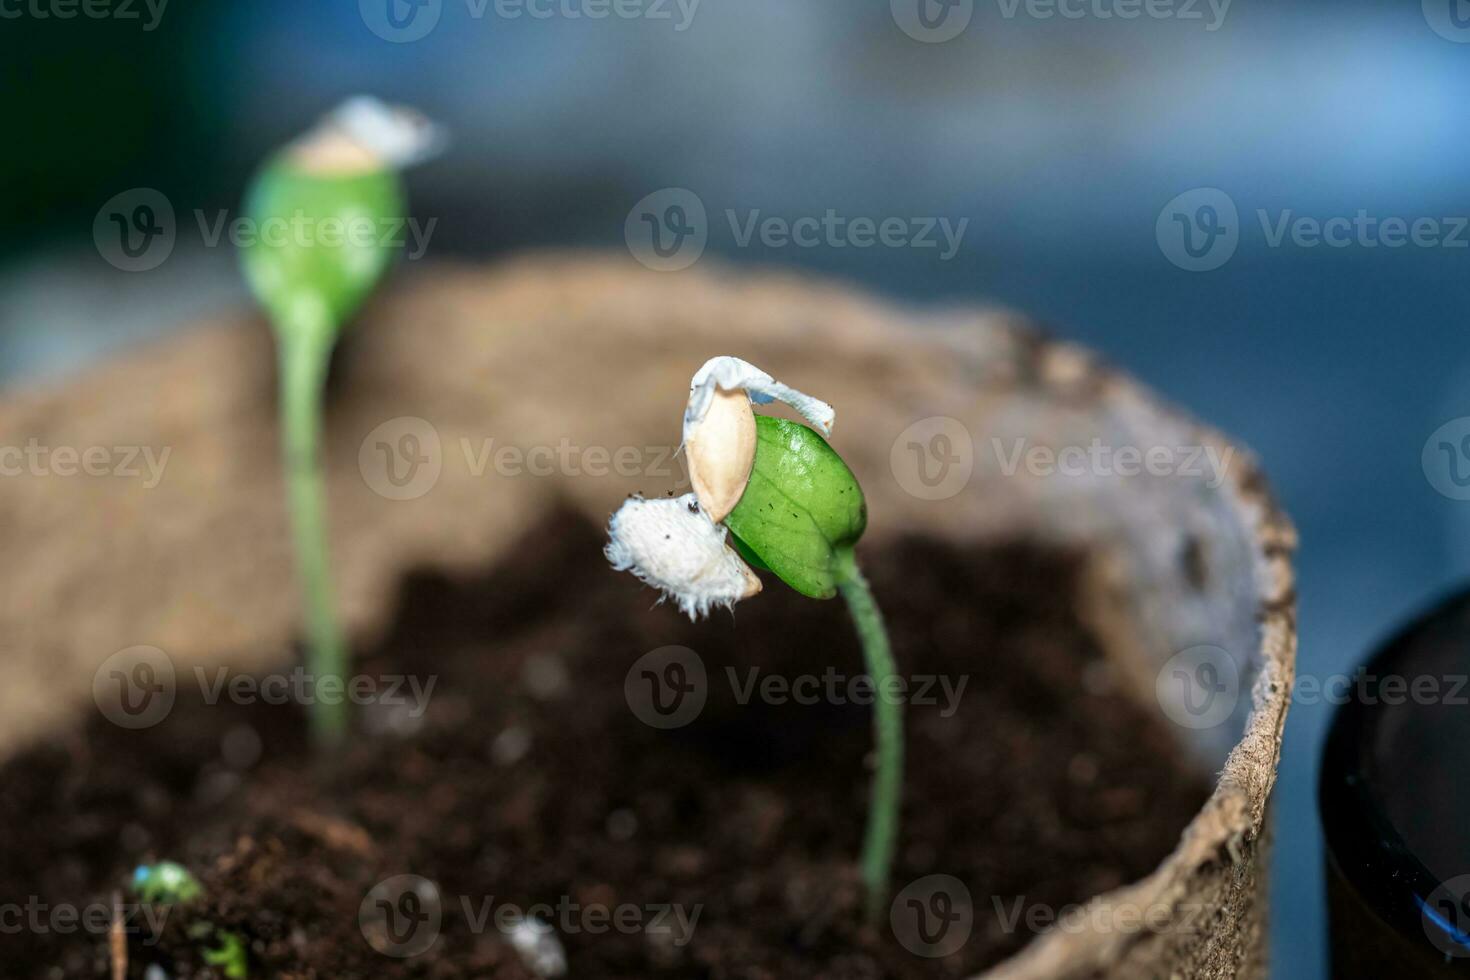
(530, 780)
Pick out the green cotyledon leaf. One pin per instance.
(321, 242)
(801, 505)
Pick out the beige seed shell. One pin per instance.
(721, 452)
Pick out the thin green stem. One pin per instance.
(887, 787)
(304, 351)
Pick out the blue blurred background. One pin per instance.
(1064, 140)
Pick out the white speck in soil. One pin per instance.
(1082, 770)
(240, 747)
(401, 718)
(545, 676)
(538, 947)
(215, 786)
(510, 746)
(1098, 679)
(622, 825)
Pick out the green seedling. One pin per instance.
(165, 883)
(324, 216)
(170, 883)
(225, 950)
(772, 494)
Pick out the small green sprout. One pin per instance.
(791, 506)
(227, 952)
(325, 213)
(165, 883)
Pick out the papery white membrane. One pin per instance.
(732, 373)
(536, 943)
(397, 135)
(671, 544)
